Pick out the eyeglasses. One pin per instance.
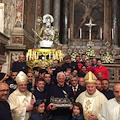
(5, 90)
(22, 85)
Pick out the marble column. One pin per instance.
(46, 7)
(56, 14)
(65, 21)
(2, 17)
(115, 22)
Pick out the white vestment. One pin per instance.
(18, 102)
(92, 104)
(110, 111)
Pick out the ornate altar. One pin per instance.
(43, 57)
(47, 46)
(88, 32)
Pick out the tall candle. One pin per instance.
(37, 55)
(56, 55)
(60, 56)
(53, 56)
(49, 55)
(80, 33)
(30, 56)
(100, 33)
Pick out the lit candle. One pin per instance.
(37, 55)
(68, 33)
(112, 34)
(30, 55)
(56, 55)
(49, 55)
(60, 56)
(101, 33)
(53, 56)
(80, 33)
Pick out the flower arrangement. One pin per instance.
(90, 52)
(73, 56)
(107, 58)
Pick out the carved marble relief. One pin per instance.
(17, 40)
(9, 16)
(19, 6)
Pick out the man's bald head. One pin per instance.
(116, 91)
(4, 91)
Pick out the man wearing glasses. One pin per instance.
(5, 113)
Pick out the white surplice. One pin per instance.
(92, 104)
(18, 102)
(110, 111)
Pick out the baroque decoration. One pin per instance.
(108, 55)
(47, 46)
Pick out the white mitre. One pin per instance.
(46, 16)
(21, 77)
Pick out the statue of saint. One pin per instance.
(48, 34)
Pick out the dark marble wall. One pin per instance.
(29, 16)
(2, 49)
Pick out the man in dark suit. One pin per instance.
(77, 89)
(60, 91)
(106, 91)
(5, 113)
(69, 64)
(20, 65)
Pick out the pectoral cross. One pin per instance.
(90, 25)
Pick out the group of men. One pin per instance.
(75, 81)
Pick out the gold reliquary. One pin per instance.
(43, 57)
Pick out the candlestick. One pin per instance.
(56, 55)
(68, 33)
(100, 33)
(49, 55)
(37, 55)
(80, 33)
(60, 56)
(53, 56)
(30, 55)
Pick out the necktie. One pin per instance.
(74, 91)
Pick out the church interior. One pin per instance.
(88, 27)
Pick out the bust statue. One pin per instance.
(48, 34)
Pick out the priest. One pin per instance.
(21, 100)
(111, 109)
(92, 100)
